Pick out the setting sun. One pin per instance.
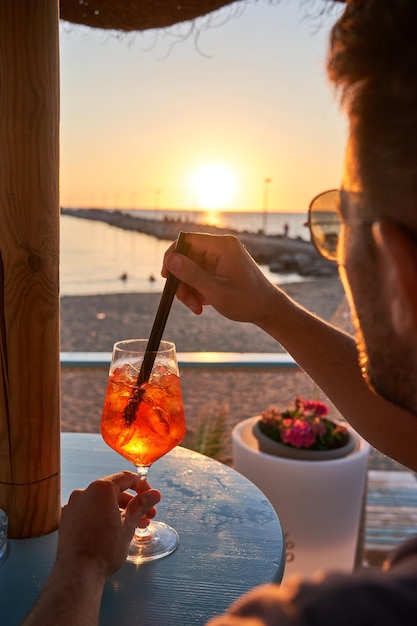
(213, 187)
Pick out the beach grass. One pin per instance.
(211, 432)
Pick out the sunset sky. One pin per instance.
(201, 116)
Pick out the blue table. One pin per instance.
(230, 541)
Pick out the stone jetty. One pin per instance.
(281, 254)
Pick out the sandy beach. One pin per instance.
(94, 323)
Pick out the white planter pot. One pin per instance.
(319, 503)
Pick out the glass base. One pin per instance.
(163, 540)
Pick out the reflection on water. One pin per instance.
(213, 218)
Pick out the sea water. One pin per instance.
(97, 258)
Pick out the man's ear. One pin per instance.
(398, 265)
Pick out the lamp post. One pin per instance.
(267, 181)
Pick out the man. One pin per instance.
(372, 59)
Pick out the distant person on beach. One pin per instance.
(372, 60)
(286, 229)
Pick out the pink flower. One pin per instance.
(304, 426)
(315, 407)
(299, 435)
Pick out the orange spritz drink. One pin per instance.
(143, 423)
(143, 419)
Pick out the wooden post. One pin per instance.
(29, 266)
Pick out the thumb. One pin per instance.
(140, 505)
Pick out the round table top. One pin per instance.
(230, 541)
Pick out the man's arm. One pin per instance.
(218, 271)
(69, 597)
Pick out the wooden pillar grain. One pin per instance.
(29, 266)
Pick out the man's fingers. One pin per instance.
(124, 480)
(189, 272)
(142, 504)
(143, 486)
(124, 499)
(192, 299)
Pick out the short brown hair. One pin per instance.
(372, 62)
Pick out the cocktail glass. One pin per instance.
(142, 422)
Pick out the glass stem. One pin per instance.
(142, 533)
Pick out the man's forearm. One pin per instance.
(68, 599)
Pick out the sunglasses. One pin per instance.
(325, 221)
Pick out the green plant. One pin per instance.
(209, 437)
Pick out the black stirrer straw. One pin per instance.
(170, 288)
(161, 317)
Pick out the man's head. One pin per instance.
(372, 61)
